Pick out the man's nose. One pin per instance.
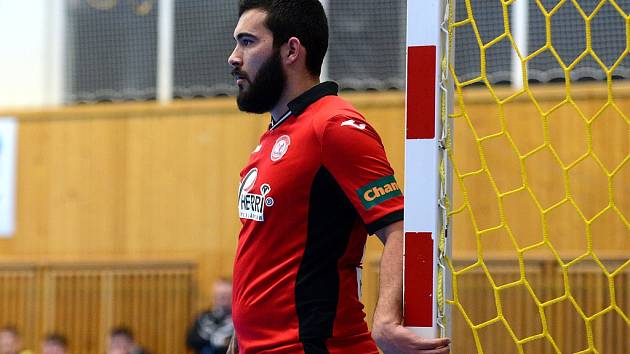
(235, 59)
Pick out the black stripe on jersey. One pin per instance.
(331, 218)
(315, 347)
(385, 221)
(312, 95)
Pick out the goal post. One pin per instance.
(425, 280)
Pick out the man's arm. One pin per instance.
(388, 332)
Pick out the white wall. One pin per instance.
(30, 53)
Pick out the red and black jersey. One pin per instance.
(315, 186)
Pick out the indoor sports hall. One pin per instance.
(507, 123)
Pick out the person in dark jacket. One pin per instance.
(212, 330)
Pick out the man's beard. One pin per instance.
(264, 92)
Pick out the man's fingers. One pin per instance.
(402, 340)
(437, 351)
(426, 343)
(432, 343)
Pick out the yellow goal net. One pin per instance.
(540, 210)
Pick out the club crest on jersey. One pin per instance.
(280, 147)
(378, 191)
(251, 205)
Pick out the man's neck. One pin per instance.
(291, 91)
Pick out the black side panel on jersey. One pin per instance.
(331, 218)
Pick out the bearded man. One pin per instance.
(315, 186)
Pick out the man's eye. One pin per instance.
(246, 42)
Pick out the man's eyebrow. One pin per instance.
(244, 34)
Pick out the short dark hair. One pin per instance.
(304, 19)
(57, 338)
(121, 331)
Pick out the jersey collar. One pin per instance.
(310, 96)
(301, 103)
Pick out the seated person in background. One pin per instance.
(121, 341)
(55, 343)
(10, 341)
(212, 329)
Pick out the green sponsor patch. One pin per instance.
(378, 191)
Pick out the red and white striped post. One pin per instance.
(422, 157)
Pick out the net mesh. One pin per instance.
(203, 42)
(357, 33)
(111, 50)
(541, 178)
(608, 36)
(112, 47)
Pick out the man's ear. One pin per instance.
(293, 50)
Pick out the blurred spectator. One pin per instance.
(212, 330)
(121, 341)
(10, 341)
(55, 343)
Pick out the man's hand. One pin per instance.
(396, 339)
(387, 330)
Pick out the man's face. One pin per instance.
(256, 65)
(222, 295)
(120, 345)
(52, 348)
(9, 343)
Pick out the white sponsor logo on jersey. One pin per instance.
(280, 147)
(251, 205)
(352, 123)
(248, 181)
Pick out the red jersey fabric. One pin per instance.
(315, 186)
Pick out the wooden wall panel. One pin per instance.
(136, 180)
(85, 300)
(18, 299)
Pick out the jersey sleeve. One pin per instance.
(353, 153)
